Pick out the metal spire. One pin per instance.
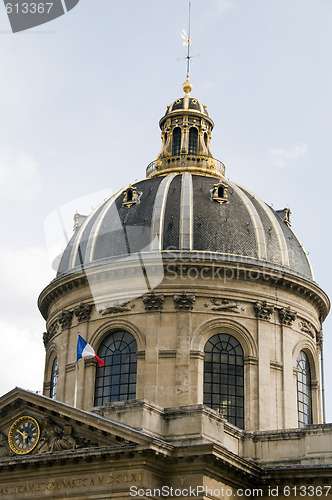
(187, 42)
(187, 86)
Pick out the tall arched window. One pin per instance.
(193, 141)
(206, 139)
(176, 146)
(303, 390)
(54, 378)
(224, 377)
(116, 381)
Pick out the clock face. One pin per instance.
(23, 435)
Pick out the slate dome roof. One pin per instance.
(194, 105)
(178, 212)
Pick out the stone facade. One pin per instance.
(256, 288)
(171, 340)
(185, 449)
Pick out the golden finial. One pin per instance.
(187, 86)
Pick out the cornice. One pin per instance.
(265, 275)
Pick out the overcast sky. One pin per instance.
(80, 102)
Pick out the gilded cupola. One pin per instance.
(186, 134)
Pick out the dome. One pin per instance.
(186, 206)
(191, 104)
(189, 214)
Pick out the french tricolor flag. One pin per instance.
(84, 350)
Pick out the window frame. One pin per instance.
(223, 377)
(177, 139)
(304, 390)
(117, 379)
(193, 141)
(54, 378)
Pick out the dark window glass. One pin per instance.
(193, 141)
(303, 390)
(116, 381)
(54, 378)
(223, 391)
(205, 138)
(220, 192)
(176, 147)
(130, 195)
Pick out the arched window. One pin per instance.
(116, 381)
(221, 191)
(206, 139)
(303, 390)
(176, 147)
(54, 378)
(224, 377)
(193, 141)
(129, 195)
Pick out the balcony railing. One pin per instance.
(186, 163)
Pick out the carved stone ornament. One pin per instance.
(263, 310)
(46, 338)
(49, 334)
(307, 327)
(83, 312)
(55, 437)
(286, 316)
(153, 302)
(184, 301)
(117, 308)
(224, 305)
(319, 338)
(65, 319)
(4, 448)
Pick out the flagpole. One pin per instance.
(75, 394)
(76, 371)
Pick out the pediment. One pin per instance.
(61, 428)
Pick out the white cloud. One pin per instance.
(24, 273)
(19, 177)
(22, 359)
(281, 157)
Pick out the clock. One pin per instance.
(24, 435)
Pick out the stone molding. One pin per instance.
(250, 360)
(167, 354)
(308, 290)
(197, 355)
(276, 365)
